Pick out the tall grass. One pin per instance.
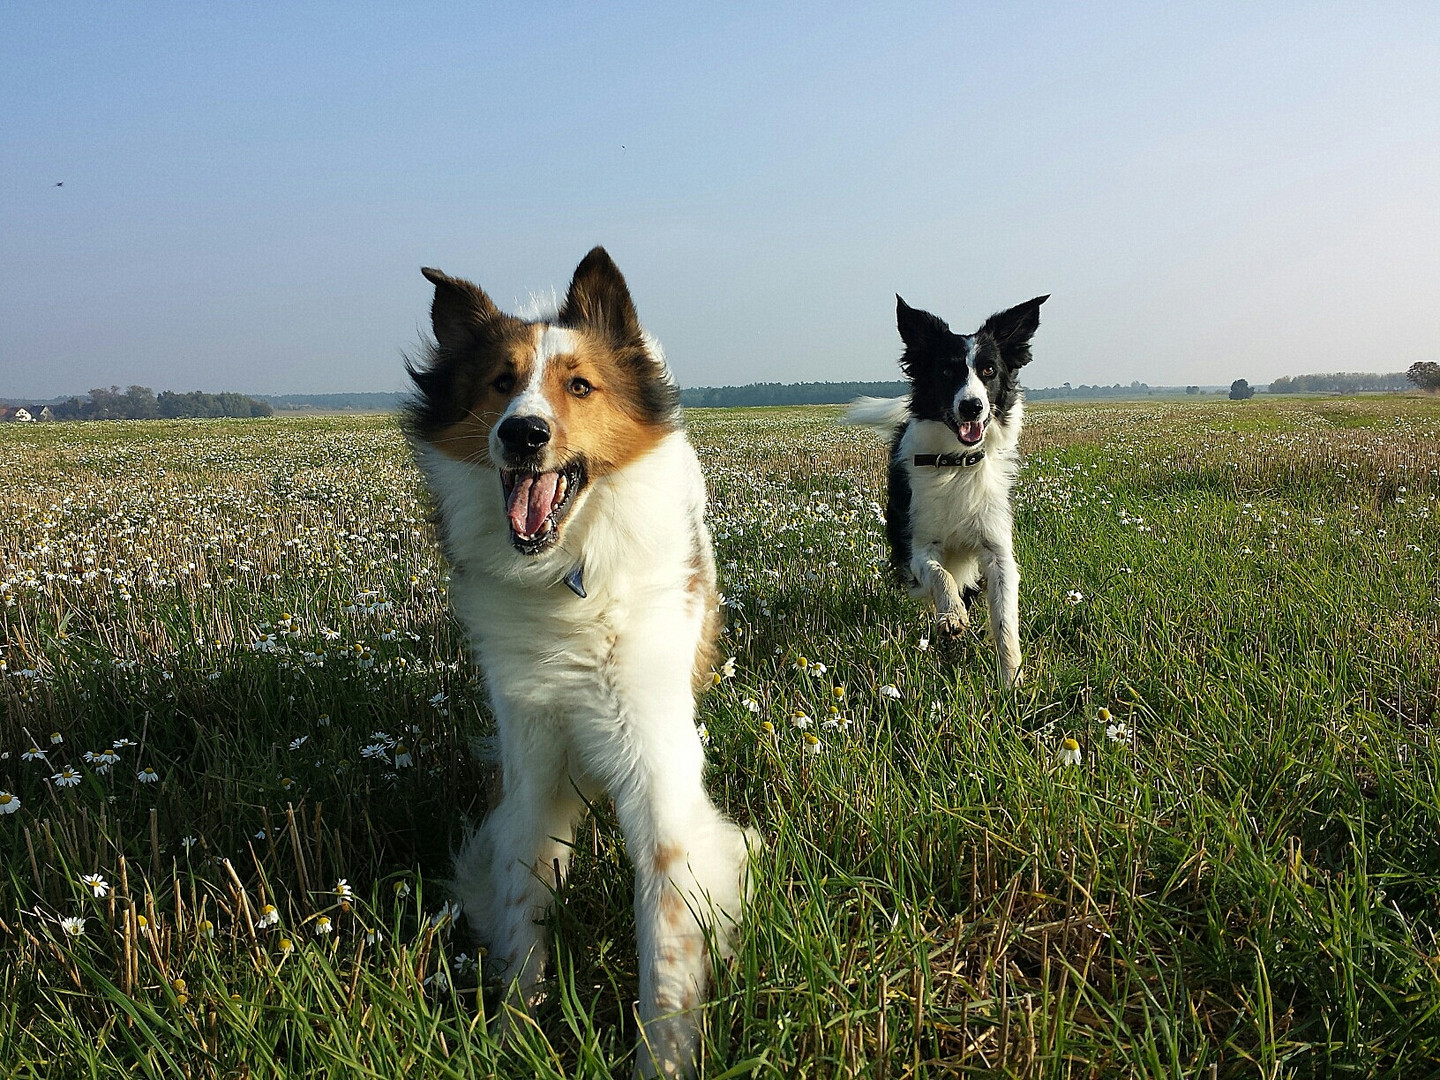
(1240, 877)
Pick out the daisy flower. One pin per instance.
(342, 888)
(147, 775)
(323, 925)
(448, 913)
(1074, 596)
(750, 705)
(33, 754)
(727, 669)
(74, 925)
(269, 917)
(66, 778)
(1069, 753)
(812, 744)
(890, 690)
(9, 803)
(95, 883)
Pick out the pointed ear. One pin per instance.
(1013, 329)
(458, 306)
(917, 327)
(599, 299)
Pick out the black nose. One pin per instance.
(969, 409)
(524, 433)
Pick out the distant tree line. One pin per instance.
(1339, 382)
(142, 403)
(813, 393)
(1085, 390)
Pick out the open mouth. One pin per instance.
(970, 432)
(537, 504)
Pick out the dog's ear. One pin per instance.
(917, 328)
(600, 300)
(457, 308)
(1012, 330)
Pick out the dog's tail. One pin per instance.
(881, 415)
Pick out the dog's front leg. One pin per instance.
(1002, 577)
(951, 616)
(506, 874)
(689, 877)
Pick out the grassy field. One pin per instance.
(236, 729)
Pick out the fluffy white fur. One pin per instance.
(593, 696)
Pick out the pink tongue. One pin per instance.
(531, 502)
(972, 431)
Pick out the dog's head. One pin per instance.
(551, 405)
(966, 381)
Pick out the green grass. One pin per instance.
(1246, 879)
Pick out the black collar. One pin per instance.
(964, 461)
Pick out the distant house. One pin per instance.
(21, 414)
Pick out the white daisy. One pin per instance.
(1069, 753)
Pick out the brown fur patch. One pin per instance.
(674, 911)
(666, 856)
(607, 424)
(476, 392)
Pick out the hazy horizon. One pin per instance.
(1233, 191)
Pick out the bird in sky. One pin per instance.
(60, 183)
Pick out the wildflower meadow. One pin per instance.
(239, 737)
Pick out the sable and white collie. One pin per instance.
(572, 509)
(953, 461)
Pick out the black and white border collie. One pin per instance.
(572, 509)
(953, 460)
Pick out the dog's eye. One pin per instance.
(504, 384)
(579, 387)
(988, 371)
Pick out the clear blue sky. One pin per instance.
(1209, 191)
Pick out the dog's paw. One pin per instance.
(952, 623)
